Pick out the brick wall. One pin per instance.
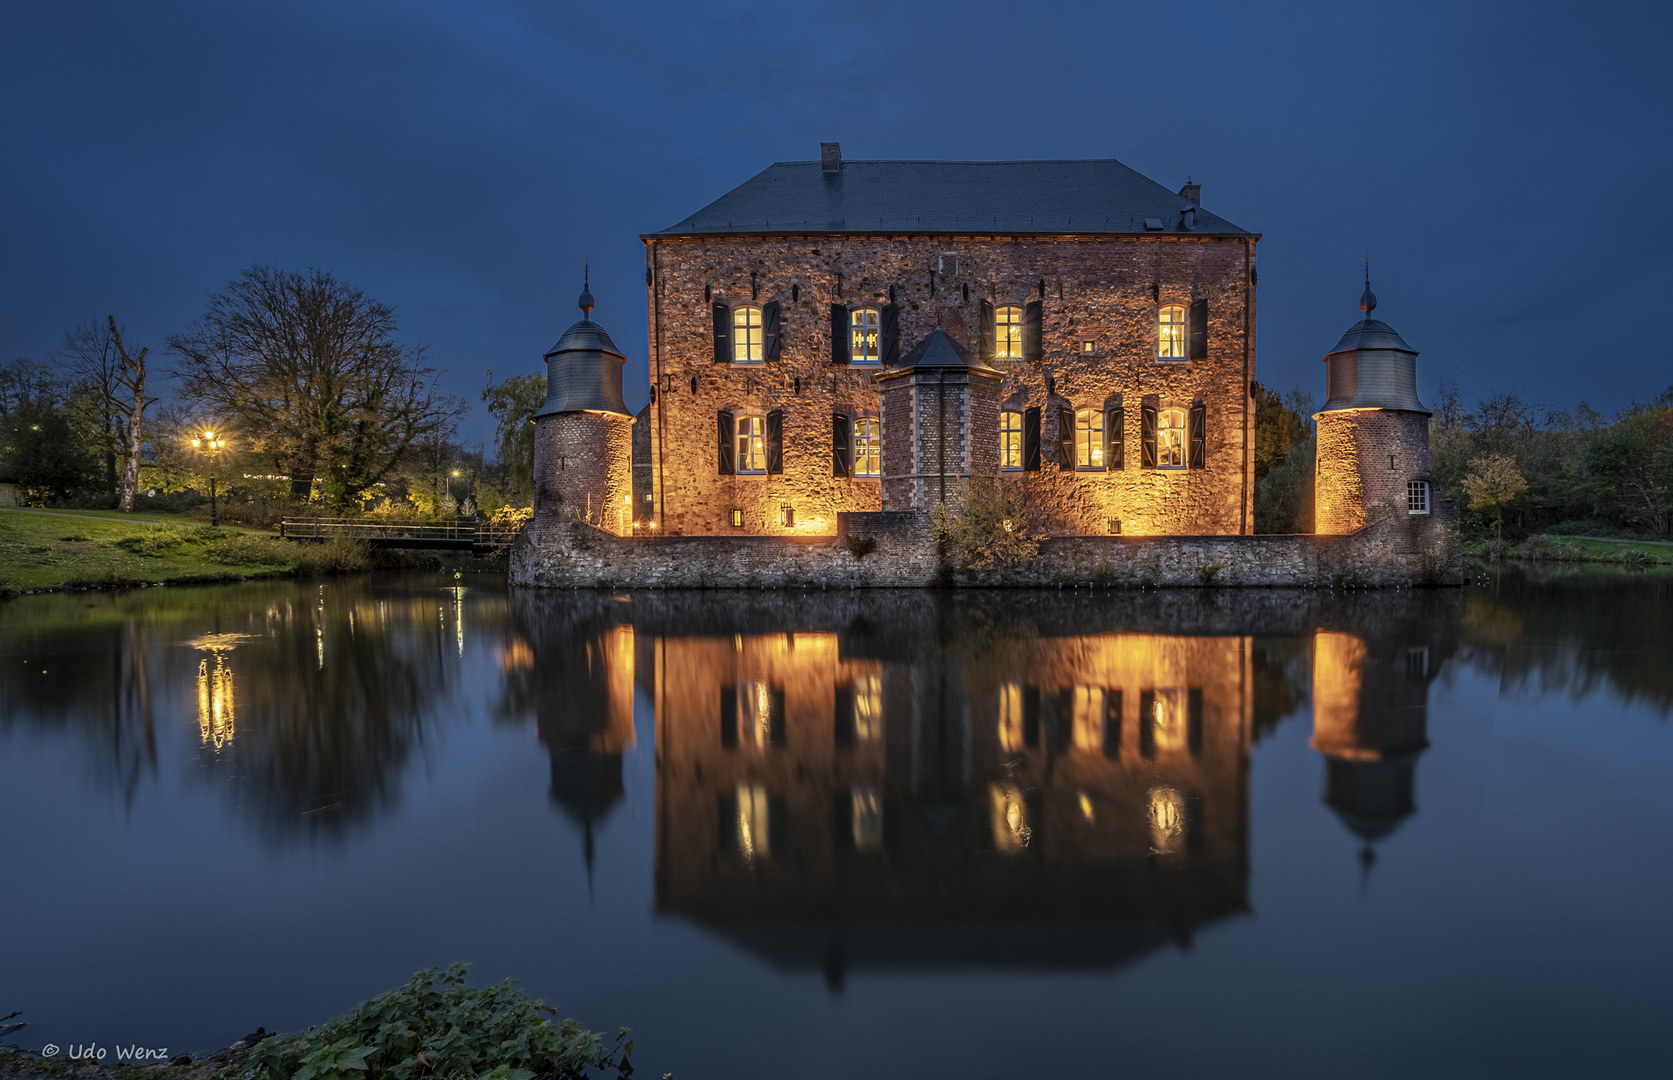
(1104, 290)
(583, 467)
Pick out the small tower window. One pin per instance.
(1170, 439)
(746, 336)
(1170, 333)
(1010, 439)
(1417, 496)
(1007, 332)
(752, 444)
(868, 447)
(863, 338)
(1089, 439)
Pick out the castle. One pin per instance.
(821, 384)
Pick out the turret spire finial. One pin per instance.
(1367, 299)
(586, 291)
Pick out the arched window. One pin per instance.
(868, 447)
(1010, 439)
(1089, 439)
(1007, 332)
(1170, 333)
(864, 341)
(1170, 439)
(747, 346)
(752, 444)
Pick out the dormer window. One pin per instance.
(864, 336)
(1170, 333)
(747, 340)
(1007, 332)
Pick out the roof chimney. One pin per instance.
(830, 156)
(1192, 191)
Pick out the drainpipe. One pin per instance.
(941, 442)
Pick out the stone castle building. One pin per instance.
(837, 349)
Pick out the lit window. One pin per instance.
(1089, 718)
(737, 519)
(868, 708)
(1089, 439)
(1170, 439)
(752, 444)
(863, 339)
(751, 823)
(1417, 496)
(1086, 346)
(868, 447)
(1011, 830)
(1010, 718)
(1007, 332)
(1167, 820)
(866, 818)
(1010, 439)
(746, 335)
(1170, 333)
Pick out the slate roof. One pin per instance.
(1372, 334)
(1099, 197)
(938, 350)
(586, 335)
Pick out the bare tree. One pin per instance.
(130, 378)
(309, 370)
(87, 353)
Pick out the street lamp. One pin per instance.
(210, 444)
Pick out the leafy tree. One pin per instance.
(41, 447)
(513, 403)
(1492, 482)
(990, 530)
(1281, 422)
(310, 371)
(1630, 467)
(1284, 496)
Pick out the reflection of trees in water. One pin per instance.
(334, 686)
(1575, 635)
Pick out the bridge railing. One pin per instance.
(479, 533)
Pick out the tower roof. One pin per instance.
(1372, 334)
(939, 350)
(584, 368)
(1372, 367)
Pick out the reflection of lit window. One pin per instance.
(1011, 831)
(753, 839)
(1417, 663)
(1010, 717)
(867, 820)
(1084, 801)
(1167, 819)
(1089, 718)
(868, 708)
(215, 707)
(756, 700)
(1168, 720)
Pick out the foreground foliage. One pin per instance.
(989, 532)
(436, 1026)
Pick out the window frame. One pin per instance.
(876, 328)
(1087, 450)
(1417, 491)
(756, 425)
(1171, 334)
(1007, 335)
(757, 342)
(1162, 443)
(874, 440)
(1005, 416)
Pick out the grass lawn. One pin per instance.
(47, 550)
(1570, 548)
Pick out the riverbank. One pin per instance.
(1545, 548)
(221, 1065)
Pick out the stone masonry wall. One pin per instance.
(583, 467)
(1365, 458)
(1102, 290)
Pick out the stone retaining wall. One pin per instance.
(896, 550)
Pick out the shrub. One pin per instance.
(341, 555)
(436, 1026)
(1633, 557)
(1539, 548)
(155, 541)
(244, 549)
(988, 531)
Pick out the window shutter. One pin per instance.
(775, 441)
(1147, 436)
(723, 333)
(1031, 716)
(1112, 724)
(839, 334)
(727, 445)
(1063, 724)
(988, 330)
(844, 716)
(1147, 724)
(1193, 722)
(1115, 438)
(777, 826)
(889, 347)
(775, 716)
(1196, 331)
(769, 331)
(839, 444)
(1033, 338)
(1199, 436)
(1031, 439)
(1065, 440)
(729, 716)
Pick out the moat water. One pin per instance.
(1188, 833)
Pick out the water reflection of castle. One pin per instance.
(880, 781)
